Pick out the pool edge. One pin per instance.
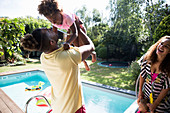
(129, 92)
(20, 71)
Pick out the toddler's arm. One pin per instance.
(74, 33)
(55, 30)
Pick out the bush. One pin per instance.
(31, 23)
(11, 30)
(134, 70)
(102, 52)
(10, 33)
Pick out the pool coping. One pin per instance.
(129, 92)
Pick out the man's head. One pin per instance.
(44, 40)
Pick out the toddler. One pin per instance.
(68, 21)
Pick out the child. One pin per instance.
(65, 20)
(61, 67)
(155, 77)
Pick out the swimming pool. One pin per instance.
(97, 100)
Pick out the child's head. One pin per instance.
(51, 10)
(42, 40)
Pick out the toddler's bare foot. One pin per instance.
(86, 66)
(93, 56)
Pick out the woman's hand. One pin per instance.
(140, 96)
(151, 107)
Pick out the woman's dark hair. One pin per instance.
(32, 42)
(48, 7)
(152, 56)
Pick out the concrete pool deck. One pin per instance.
(7, 105)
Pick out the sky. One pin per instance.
(22, 8)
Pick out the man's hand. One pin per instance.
(66, 46)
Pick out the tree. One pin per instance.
(95, 29)
(122, 38)
(84, 16)
(153, 14)
(31, 23)
(96, 17)
(163, 29)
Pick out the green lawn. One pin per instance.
(17, 68)
(116, 77)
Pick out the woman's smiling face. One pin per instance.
(163, 48)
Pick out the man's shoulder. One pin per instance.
(74, 49)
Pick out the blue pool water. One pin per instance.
(96, 100)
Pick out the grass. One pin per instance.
(116, 77)
(21, 67)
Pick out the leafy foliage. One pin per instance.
(152, 16)
(128, 32)
(31, 23)
(11, 32)
(122, 38)
(13, 29)
(102, 52)
(163, 29)
(134, 70)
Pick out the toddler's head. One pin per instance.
(51, 10)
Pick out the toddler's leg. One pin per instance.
(93, 53)
(79, 43)
(86, 65)
(82, 35)
(93, 56)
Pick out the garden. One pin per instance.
(124, 37)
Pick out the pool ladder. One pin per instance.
(26, 105)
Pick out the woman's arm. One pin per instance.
(162, 94)
(140, 95)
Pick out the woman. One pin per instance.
(154, 83)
